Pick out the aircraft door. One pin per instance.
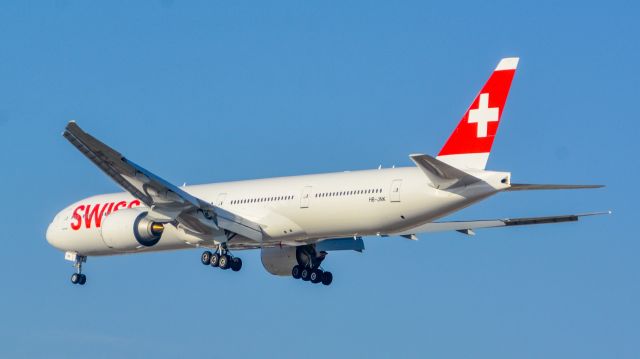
(221, 199)
(394, 194)
(305, 197)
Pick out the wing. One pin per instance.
(167, 201)
(467, 227)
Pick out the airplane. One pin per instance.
(294, 221)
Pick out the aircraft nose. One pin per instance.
(53, 237)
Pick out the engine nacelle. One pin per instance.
(130, 230)
(280, 260)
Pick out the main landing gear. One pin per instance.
(313, 275)
(222, 259)
(308, 267)
(77, 277)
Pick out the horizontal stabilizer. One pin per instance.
(442, 175)
(533, 187)
(467, 227)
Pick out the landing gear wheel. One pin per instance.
(316, 276)
(305, 274)
(205, 258)
(214, 261)
(77, 277)
(225, 261)
(236, 264)
(296, 271)
(327, 278)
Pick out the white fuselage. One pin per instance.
(291, 210)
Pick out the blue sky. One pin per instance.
(207, 91)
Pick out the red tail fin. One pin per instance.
(470, 143)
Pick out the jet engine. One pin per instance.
(130, 229)
(280, 260)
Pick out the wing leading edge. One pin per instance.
(167, 201)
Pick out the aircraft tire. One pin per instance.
(225, 261)
(316, 276)
(327, 278)
(296, 271)
(214, 261)
(236, 264)
(305, 274)
(205, 258)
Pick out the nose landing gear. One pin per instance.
(222, 259)
(77, 277)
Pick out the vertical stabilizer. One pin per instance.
(470, 143)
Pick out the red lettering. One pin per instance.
(94, 215)
(109, 209)
(77, 217)
(120, 204)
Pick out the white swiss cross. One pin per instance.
(483, 115)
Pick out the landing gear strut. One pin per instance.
(308, 267)
(222, 259)
(77, 277)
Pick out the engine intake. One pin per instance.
(130, 230)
